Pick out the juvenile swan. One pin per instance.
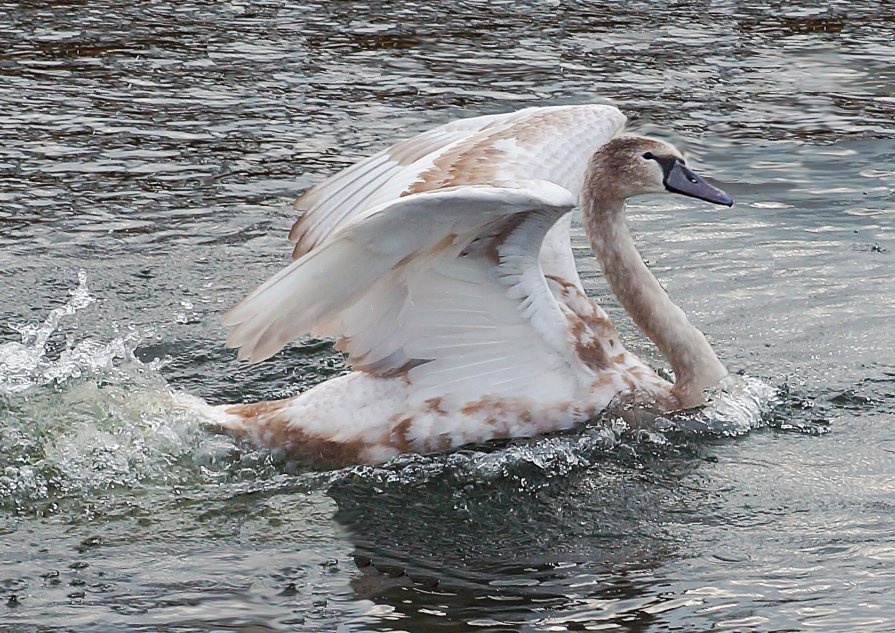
(443, 268)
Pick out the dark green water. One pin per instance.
(152, 148)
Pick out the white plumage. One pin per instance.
(442, 266)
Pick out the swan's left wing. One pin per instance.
(443, 287)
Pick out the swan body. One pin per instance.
(443, 267)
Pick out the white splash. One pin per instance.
(738, 404)
(27, 364)
(93, 416)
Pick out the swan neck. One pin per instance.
(695, 364)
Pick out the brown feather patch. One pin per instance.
(265, 425)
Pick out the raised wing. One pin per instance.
(444, 287)
(542, 143)
(329, 204)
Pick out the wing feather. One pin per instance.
(345, 280)
(326, 205)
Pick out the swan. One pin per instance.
(444, 269)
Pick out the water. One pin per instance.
(148, 154)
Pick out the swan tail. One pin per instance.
(266, 425)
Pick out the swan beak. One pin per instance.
(680, 179)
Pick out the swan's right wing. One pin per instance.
(542, 143)
(336, 200)
(443, 287)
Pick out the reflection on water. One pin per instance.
(529, 542)
(153, 149)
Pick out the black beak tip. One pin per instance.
(679, 179)
(713, 194)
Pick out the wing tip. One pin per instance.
(298, 227)
(237, 313)
(300, 235)
(250, 352)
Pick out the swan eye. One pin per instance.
(649, 156)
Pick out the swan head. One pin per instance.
(630, 166)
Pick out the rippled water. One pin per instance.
(148, 154)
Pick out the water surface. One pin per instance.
(148, 156)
